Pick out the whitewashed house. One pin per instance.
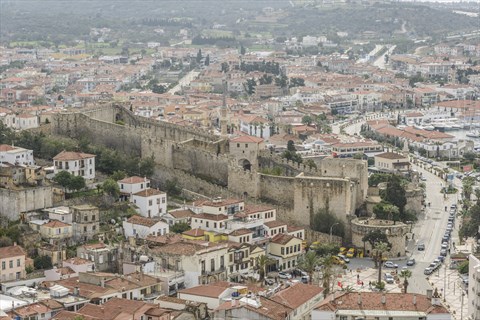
(141, 227)
(150, 202)
(16, 155)
(77, 163)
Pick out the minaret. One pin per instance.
(223, 110)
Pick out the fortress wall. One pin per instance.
(201, 163)
(312, 194)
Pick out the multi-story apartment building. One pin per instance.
(76, 163)
(16, 155)
(86, 222)
(12, 263)
(150, 202)
(104, 256)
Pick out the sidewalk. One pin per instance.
(349, 279)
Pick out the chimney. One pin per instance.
(429, 294)
(359, 300)
(414, 299)
(384, 299)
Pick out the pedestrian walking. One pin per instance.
(358, 277)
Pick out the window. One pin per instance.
(158, 201)
(93, 217)
(85, 218)
(238, 145)
(121, 186)
(215, 225)
(206, 224)
(10, 263)
(150, 202)
(163, 200)
(3, 265)
(94, 228)
(18, 262)
(85, 229)
(343, 318)
(212, 265)
(282, 251)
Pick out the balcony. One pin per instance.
(244, 223)
(211, 273)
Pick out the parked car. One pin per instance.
(443, 253)
(338, 260)
(421, 247)
(350, 253)
(411, 262)
(445, 245)
(428, 271)
(269, 281)
(341, 256)
(284, 275)
(388, 278)
(437, 261)
(390, 264)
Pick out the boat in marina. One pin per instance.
(473, 134)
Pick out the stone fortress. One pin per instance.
(208, 164)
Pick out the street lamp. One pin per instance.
(331, 229)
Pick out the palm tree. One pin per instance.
(405, 274)
(262, 263)
(380, 249)
(327, 273)
(308, 263)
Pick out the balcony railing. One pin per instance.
(217, 271)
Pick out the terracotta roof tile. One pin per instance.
(143, 221)
(149, 192)
(11, 251)
(133, 180)
(297, 294)
(70, 155)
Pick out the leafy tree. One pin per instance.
(77, 183)
(327, 273)
(311, 164)
(405, 274)
(375, 237)
(291, 146)
(263, 262)
(463, 267)
(387, 211)
(207, 60)
(395, 193)
(42, 262)
(180, 227)
(63, 178)
(172, 188)
(325, 249)
(377, 178)
(5, 241)
(470, 156)
(297, 82)
(242, 50)
(146, 167)
(467, 187)
(110, 187)
(118, 175)
(292, 156)
(323, 220)
(308, 263)
(159, 89)
(225, 67)
(307, 120)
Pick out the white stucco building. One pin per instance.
(150, 202)
(141, 227)
(16, 155)
(77, 163)
(131, 185)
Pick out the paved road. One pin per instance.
(380, 61)
(185, 81)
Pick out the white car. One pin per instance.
(390, 264)
(284, 275)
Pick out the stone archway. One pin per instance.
(245, 164)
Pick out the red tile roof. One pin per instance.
(149, 192)
(297, 294)
(70, 155)
(55, 224)
(373, 301)
(143, 221)
(132, 180)
(246, 139)
(11, 251)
